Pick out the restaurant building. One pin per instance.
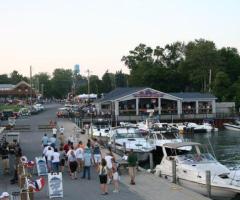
(140, 101)
(20, 90)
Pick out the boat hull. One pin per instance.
(232, 127)
(218, 193)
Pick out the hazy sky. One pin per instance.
(48, 34)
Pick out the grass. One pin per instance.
(14, 108)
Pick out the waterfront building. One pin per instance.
(140, 101)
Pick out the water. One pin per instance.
(225, 145)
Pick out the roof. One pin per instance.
(6, 86)
(180, 144)
(193, 95)
(120, 92)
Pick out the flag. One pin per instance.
(36, 185)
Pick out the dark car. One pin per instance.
(6, 114)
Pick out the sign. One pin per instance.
(55, 185)
(148, 94)
(41, 166)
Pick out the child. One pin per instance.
(115, 176)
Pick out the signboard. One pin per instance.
(148, 94)
(55, 186)
(41, 166)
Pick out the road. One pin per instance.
(73, 189)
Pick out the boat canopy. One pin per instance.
(181, 144)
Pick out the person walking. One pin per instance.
(55, 160)
(102, 171)
(115, 176)
(62, 158)
(79, 155)
(97, 156)
(5, 158)
(48, 155)
(61, 130)
(54, 130)
(132, 163)
(108, 159)
(45, 140)
(61, 139)
(87, 159)
(72, 163)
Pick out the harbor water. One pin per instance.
(224, 144)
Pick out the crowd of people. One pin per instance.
(78, 159)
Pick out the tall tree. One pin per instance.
(15, 77)
(108, 82)
(201, 58)
(62, 82)
(4, 79)
(43, 84)
(120, 79)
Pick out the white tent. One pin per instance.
(86, 96)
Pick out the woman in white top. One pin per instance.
(72, 162)
(79, 155)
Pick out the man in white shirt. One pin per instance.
(55, 160)
(48, 154)
(54, 130)
(61, 130)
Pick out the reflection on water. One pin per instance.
(225, 144)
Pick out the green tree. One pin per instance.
(15, 77)
(4, 79)
(42, 82)
(121, 79)
(221, 86)
(61, 82)
(108, 82)
(201, 57)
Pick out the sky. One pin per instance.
(95, 34)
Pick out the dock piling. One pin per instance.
(174, 171)
(208, 182)
(151, 160)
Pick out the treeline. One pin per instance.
(64, 81)
(198, 66)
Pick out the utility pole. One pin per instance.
(31, 85)
(210, 80)
(42, 89)
(88, 78)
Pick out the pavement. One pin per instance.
(73, 189)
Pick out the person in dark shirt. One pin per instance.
(132, 163)
(5, 158)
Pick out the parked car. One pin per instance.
(6, 114)
(24, 112)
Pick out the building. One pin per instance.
(140, 101)
(20, 90)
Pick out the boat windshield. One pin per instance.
(195, 158)
(128, 133)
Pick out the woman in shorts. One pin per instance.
(102, 171)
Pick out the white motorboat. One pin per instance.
(123, 139)
(191, 167)
(164, 128)
(201, 128)
(232, 127)
(100, 128)
(158, 139)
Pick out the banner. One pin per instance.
(41, 166)
(55, 185)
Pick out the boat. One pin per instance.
(191, 127)
(100, 129)
(158, 139)
(232, 126)
(123, 139)
(191, 167)
(164, 128)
